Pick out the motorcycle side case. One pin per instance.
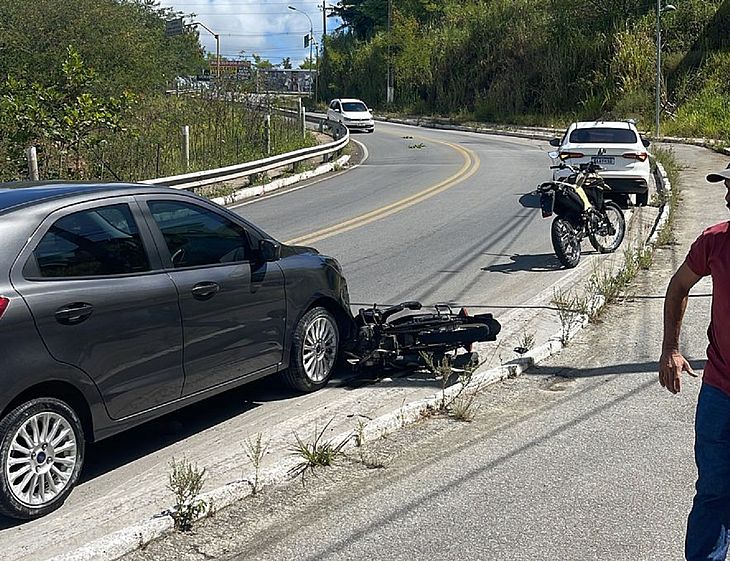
(568, 205)
(547, 202)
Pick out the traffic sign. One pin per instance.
(174, 27)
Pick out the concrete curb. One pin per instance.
(118, 544)
(258, 190)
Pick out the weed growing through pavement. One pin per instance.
(460, 406)
(526, 342)
(463, 408)
(359, 435)
(317, 453)
(255, 450)
(572, 309)
(185, 481)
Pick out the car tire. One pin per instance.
(314, 353)
(642, 199)
(44, 436)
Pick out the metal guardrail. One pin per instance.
(207, 177)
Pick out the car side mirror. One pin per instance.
(269, 250)
(645, 142)
(555, 142)
(337, 109)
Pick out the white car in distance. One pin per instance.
(352, 113)
(618, 148)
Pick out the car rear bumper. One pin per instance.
(627, 185)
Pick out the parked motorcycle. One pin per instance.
(389, 341)
(581, 210)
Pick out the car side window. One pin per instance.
(197, 236)
(96, 242)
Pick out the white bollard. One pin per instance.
(186, 147)
(32, 157)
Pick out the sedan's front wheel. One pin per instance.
(315, 346)
(41, 454)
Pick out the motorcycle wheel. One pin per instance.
(566, 242)
(603, 240)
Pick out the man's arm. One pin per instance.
(672, 363)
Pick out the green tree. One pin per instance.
(123, 40)
(59, 118)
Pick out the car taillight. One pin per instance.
(3, 305)
(641, 156)
(568, 155)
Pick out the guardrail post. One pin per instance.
(304, 121)
(267, 132)
(32, 157)
(186, 147)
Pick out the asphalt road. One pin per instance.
(584, 458)
(432, 217)
(446, 248)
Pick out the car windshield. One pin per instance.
(603, 135)
(354, 106)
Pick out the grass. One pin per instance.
(319, 452)
(255, 449)
(186, 481)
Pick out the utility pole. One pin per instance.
(324, 24)
(389, 93)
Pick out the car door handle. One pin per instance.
(71, 314)
(205, 290)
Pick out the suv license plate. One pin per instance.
(603, 160)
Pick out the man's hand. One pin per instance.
(671, 365)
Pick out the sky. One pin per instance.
(265, 27)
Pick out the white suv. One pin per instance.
(618, 148)
(352, 113)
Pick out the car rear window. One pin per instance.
(100, 241)
(603, 135)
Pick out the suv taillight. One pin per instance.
(641, 156)
(568, 155)
(3, 305)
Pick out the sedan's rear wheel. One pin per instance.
(315, 346)
(41, 454)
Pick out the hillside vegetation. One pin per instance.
(538, 61)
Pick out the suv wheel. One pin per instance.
(41, 454)
(315, 346)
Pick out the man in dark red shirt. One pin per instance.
(708, 525)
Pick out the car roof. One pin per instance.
(18, 194)
(606, 124)
(346, 99)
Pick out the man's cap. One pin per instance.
(719, 175)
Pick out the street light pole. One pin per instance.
(311, 39)
(217, 47)
(659, 10)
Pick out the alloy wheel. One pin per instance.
(319, 350)
(41, 459)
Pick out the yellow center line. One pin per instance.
(469, 168)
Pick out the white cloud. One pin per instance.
(265, 27)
